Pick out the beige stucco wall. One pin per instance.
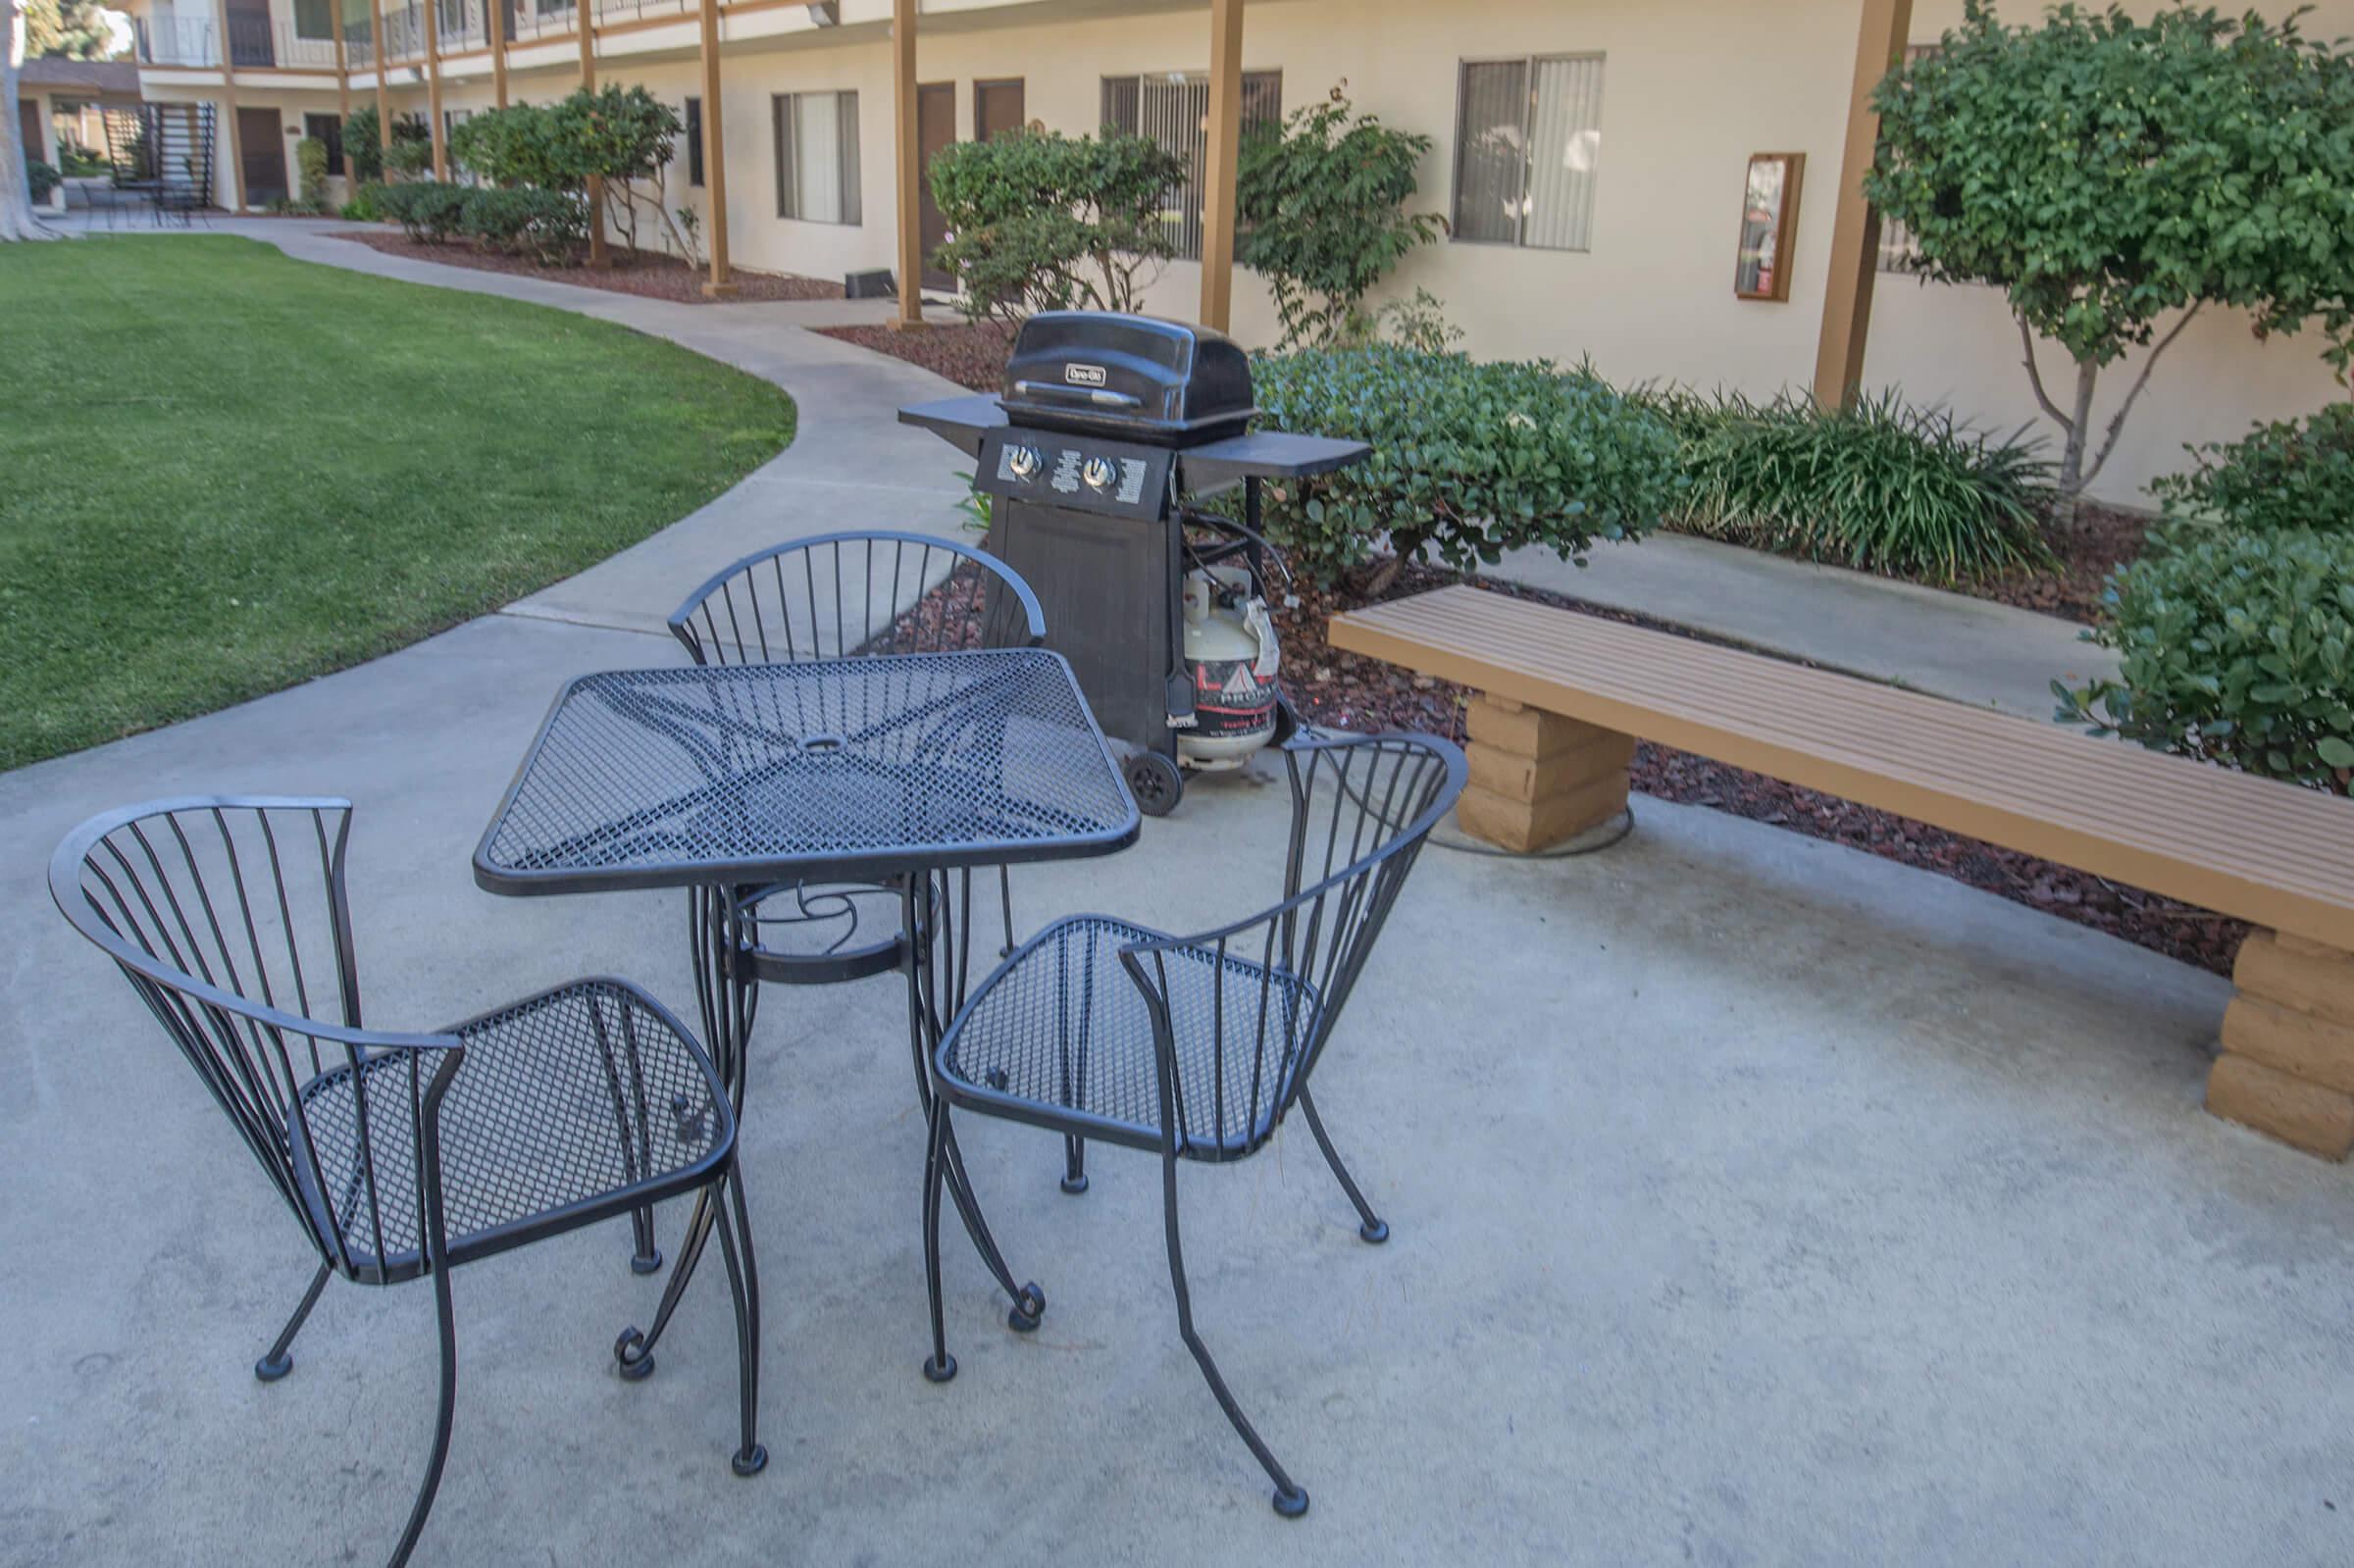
(1691, 88)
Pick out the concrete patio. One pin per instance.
(1754, 1201)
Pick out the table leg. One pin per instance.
(728, 997)
(939, 933)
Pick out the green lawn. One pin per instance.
(223, 472)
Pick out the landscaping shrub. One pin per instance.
(1878, 487)
(363, 153)
(1469, 459)
(427, 210)
(44, 177)
(2238, 648)
(1322, 208)
(546, 225)
(309, 158)
(1039, 221)
(80, 163)
(518, 145)
(367, 203)
(2291, 473)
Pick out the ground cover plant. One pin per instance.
(2289, 473)
(1878, 487)
(303, 468)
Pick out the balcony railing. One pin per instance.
(257, 42)
(175, 42)
(632, 10)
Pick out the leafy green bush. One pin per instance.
(80, 163)
(412, 151)
(427, 210)
(2238, 648)
(363, 150)
(2291, 473)
(1039, 221)
(546, 225)
(521, 144)
(1879, 486)
(1469, 459)
(1323, 205)
(44, 177)
(367, 203)
(309, 158)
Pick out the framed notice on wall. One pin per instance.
(1768, 224)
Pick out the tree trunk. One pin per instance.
(16, 190)
(2072, 455)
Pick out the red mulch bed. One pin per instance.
(1349, 690)
(650, 275)
(972, 354)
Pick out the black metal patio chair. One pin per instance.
(401, 1156)
(1198, 1047)
(851, 595)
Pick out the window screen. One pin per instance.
(1172, 106)
(817, 156)
(1528, 144)
(694, 141)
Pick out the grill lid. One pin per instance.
(1136, 376)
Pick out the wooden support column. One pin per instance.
(433, 87)
(1538, 779)
(715, 159)
(496, 10)
(909, 149)
(1218, 163)
(1855, 226)
(342, 71)
(586, 23)
(384, 104)
(228, 112)
(2288, 1065)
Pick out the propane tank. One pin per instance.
(1231, 654)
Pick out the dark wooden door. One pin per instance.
(28, 123)
(262, 149)
(934, 129)
(996, 108)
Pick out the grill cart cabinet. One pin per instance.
(1105, 422)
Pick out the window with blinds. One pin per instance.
(1527, 146)
(817, 156)
(1900, 252)
(693, 131)
(1172, 106)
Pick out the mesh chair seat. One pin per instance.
(1060, 1035)
(572, 1106)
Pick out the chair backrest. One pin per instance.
(1267, 989)
(229, 916)
(848, 594)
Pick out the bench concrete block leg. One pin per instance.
(1538, 779)
(2287, 1067)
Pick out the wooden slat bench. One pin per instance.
(1564, 697)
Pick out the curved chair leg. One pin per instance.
(743, 1283)
(648, 1257)
(634, 1349)
(1374, 1229)
(940, 1366)
(1291, 1501)
(441, 1422)
(278, 1363)
(1074, 1165)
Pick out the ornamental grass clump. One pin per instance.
(1469, 459)
(1878, 487)
(2237, 648)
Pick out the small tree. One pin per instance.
(2105, 172)
(1322, 204)
(363, 144)
(624, 136)
(16, 193)
(522, 144)
(1039, 221)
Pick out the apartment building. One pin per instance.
(1593, 158)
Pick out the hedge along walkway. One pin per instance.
(228, 471)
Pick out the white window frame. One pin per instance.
(852, 202)
(1455, 193)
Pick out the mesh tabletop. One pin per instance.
(707, 774)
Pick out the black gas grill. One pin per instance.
(1105, 422)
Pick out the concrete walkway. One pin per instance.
(1947, 645)
(1756, 1201)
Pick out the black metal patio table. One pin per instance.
(910, 771)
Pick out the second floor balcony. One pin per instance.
(256, 42)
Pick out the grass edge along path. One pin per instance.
(224, 471)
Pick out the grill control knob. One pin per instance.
(1023, 461)
(1100, 473)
